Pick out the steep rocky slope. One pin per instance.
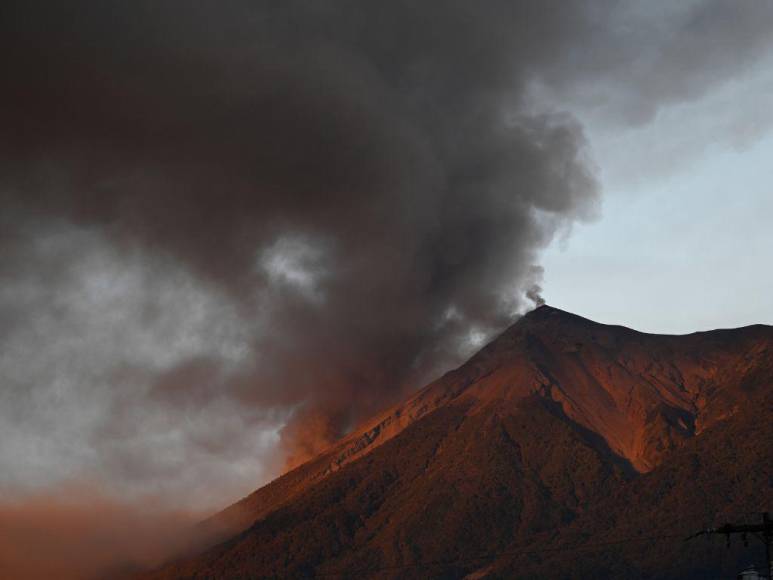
(555, 436)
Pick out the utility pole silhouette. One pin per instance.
(763, 532)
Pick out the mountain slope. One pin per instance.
(528, 441)
(723, 475)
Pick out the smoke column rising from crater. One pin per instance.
(232, 230)
(239, 227)
(345, 175)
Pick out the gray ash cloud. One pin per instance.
(281, 209)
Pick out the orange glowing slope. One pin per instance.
(560, 434)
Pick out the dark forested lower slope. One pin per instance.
(564, 449)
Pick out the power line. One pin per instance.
(763, 531)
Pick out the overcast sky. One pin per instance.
(232, 230)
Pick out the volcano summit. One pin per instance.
(565, 448)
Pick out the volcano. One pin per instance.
(565, 448)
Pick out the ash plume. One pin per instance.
(358, 179)
(236, 227)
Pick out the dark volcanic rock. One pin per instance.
(550, 454)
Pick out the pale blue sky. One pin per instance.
(685, 241)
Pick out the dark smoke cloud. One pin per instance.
(219, 217)
(357, 175)
(642, 57)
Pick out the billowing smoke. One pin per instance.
(230, 228)
(359, 181)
